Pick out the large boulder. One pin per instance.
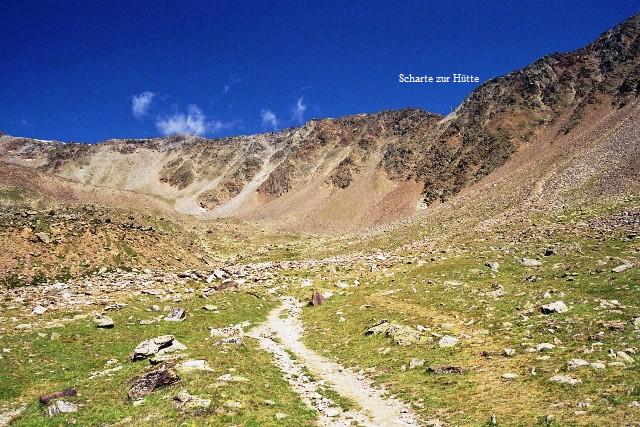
(146, 383)
(151, 346)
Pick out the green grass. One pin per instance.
(490, 325)
(36, 365)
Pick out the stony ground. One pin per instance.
(533, 323)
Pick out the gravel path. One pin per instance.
(280, 335)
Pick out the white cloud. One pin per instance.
(269, 118)
(140, 104)
(297, 112)
(194, 122)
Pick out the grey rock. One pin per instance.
(565, 379)
(415, 362)
(38, 310)
(61, 407)
(529, 262)
(493, 265)
(447, 341)
(151, 346)
(574, 364)
(103, 321)
(176, 315)
(554, 307)
(623, 267)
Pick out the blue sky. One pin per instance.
(89, 71)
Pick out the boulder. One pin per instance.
(493, 265)
(176, 315)
(103, 321)
(565, 379)
(529, 262)
(554, 307)
(623, 267)
(151, 346)
(403, 335)
(574, 364)
(152, 380)
(58, 407)
(447, 341)
(39, 310)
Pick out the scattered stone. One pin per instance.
(414, 363)
(188, 402)
(230, 340)
(151, 346)
(509, 352)
(106, 373)
(38, 310)
(509, 376)
(7, 417)
(61, 407)
(452, 283)
(236, 330)
(529, 262)
(43, 237)
(403, 335)
(317, 299)
(176, 315)
(228, 378)
(280, 416)
(623, 267)
(23, 327)
(210, 307)
(449, 369)
(613, 325)
(232, 404)
(576, 363)
(493, 265)
(624, 356)
(400, 334)
(152, 380)
(103, 321)
(332, 412)
(379, 328)
(447, 341)
(565, 379)
(554, 307)
(545, 346)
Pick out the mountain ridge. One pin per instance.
(363, 169)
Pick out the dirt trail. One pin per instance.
(280, 335)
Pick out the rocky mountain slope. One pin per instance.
(367, 169)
